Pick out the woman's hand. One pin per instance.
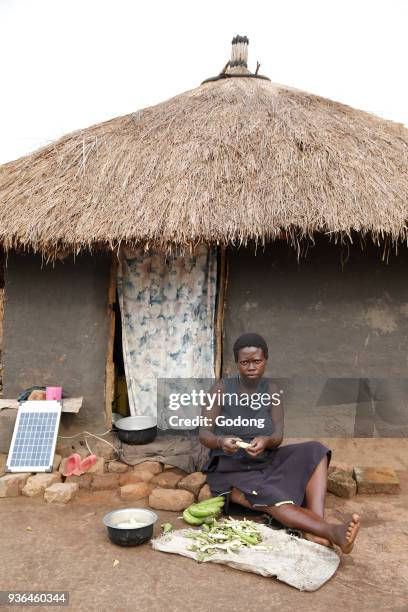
(228, 445)
(257, 446)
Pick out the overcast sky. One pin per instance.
(67, 64)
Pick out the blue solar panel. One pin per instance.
(34, 437)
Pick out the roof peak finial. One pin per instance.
(237, 66)
(239, 51)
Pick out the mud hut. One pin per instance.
(274, 210)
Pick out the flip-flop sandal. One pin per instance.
(271, 522)
(294, 532)
(88, 462)
(72, 465)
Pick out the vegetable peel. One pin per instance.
(229, 535)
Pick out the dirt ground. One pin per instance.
(67, 549)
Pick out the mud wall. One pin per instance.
(336, 324)
(56, 331)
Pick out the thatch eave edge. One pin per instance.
(297, 238)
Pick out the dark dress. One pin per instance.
(278, 475)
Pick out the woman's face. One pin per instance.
(251, 363)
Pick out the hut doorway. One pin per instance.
(120, 404)
(164, 319)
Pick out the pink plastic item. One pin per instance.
(88, 462)
(73, 465)
(53, 393)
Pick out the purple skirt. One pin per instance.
(282, 478)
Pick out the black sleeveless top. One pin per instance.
(245, 417)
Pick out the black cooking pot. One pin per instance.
(132, 536)
(136, 429)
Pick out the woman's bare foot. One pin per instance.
(317, 539)
(345, 534)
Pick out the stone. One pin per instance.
(61, 492)
(336, 466)
(61, 467)
(11, 485)
(340, 483)
(7, 421)
(149, 466)
(98, 467)
(101, 449)
(135, 491)
(178, 471)
(193, 482)
(205, 493)
(170, 499)
(84, 481)
(167, 466)
(37, 484)
(56, 462)
(105, 482)
(117, 467)
(376, 480)
(3, 460)
(136, 476)
(167, 480)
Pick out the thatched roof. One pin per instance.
(233, 160)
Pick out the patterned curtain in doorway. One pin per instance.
(167, 308)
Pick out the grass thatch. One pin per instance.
(233, 160)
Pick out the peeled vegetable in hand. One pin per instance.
(204, 512)
(241, 444)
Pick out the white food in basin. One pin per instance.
(131, 524)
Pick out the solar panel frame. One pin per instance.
(34, 438)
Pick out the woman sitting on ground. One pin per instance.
(287, 482)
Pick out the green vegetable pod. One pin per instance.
(203, 511)
(213, 500)
(190, 519)
(251, 540)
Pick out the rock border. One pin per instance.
(169, 488)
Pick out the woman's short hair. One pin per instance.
(247, 340)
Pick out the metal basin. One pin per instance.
(126, 536)
(136, 429)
